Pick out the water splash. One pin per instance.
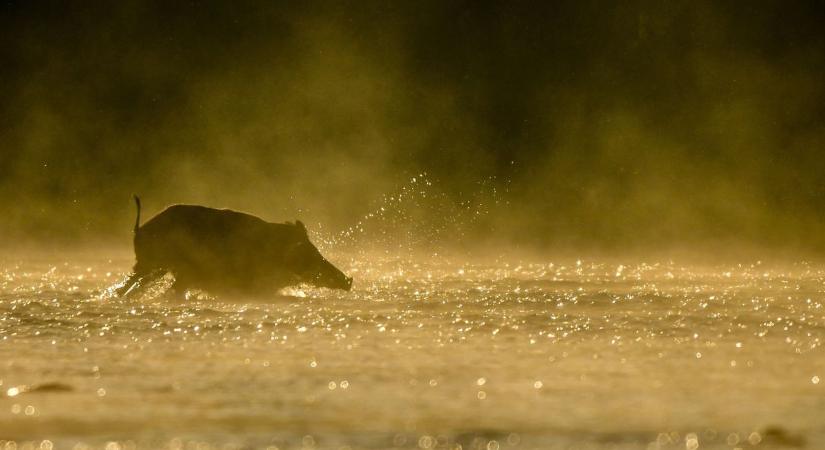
(419, 213)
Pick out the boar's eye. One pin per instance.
(301, 254)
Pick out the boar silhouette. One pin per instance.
(225, 250)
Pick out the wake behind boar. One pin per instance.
(220, 249)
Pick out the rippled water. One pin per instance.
(429, 353)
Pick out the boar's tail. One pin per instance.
(137, 219)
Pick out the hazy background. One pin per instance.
(604, 126)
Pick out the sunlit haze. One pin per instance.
(412, 224)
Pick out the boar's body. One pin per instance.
(227, 250)
(205, 246)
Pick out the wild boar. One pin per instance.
(220, 250)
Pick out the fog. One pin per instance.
(558, 224)
(637, 126)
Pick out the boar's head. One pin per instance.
(305, 261)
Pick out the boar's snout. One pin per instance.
(330, 277)
(306, 261)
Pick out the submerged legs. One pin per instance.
(137, 280)
(180, 286)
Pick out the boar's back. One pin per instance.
(202, 242)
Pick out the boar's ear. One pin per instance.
(301, 226)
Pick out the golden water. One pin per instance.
(425, 353)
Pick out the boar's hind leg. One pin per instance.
(128, 285)
(137, 280)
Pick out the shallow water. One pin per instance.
(429, 353)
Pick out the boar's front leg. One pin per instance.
(180, 286)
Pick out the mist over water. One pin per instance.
(570, 224)
(622, 127)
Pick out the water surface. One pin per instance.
(422, 353)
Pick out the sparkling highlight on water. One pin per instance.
(423, 353)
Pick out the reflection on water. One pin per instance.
(427, 353)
